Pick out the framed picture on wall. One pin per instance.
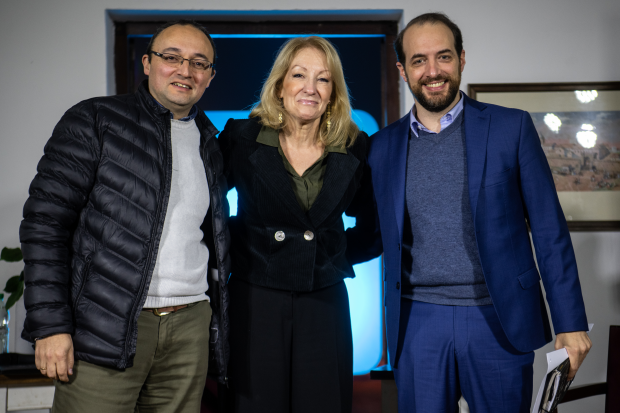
(579, 129)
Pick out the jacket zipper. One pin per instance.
(153, 231)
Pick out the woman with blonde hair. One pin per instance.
(298, 163)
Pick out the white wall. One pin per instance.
(56, 53)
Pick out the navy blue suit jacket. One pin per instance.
(510, 185)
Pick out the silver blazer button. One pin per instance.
(308, 236)
(279, 236)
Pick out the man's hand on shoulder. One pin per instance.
(577, 345)
(54, 356)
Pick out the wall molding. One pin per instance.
(120, 15)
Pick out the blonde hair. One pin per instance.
(343, 131)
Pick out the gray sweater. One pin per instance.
(440, 262)
(180, 274)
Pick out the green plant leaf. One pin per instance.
(12, 284)
(11, 254)
(15, 296)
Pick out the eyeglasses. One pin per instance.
(174, 60)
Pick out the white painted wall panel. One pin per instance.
(29, 398)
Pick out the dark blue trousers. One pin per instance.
(445, 351)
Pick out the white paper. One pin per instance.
(554, 359)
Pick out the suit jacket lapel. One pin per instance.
(396, 168)
(338, 174)
(268, 165)
(476, 136)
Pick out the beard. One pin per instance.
(436, 102)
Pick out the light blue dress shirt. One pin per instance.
(445, 121)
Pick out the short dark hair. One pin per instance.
(192, 23)
(430, 18)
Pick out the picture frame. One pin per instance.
(579, 128)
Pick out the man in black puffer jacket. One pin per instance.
(123, 232)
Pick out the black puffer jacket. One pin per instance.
(93, 222)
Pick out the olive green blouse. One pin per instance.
(307, 186)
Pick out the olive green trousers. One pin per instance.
(168, 373)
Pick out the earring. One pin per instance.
(280, 117)
(329, 112)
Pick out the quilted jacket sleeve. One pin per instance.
(58, 193)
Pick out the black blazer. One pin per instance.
(301, 261)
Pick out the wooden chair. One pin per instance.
(611, 388)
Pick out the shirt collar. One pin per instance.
(445, 121)
(270, 137)
(191, 116)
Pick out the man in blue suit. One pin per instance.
(456, 183)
